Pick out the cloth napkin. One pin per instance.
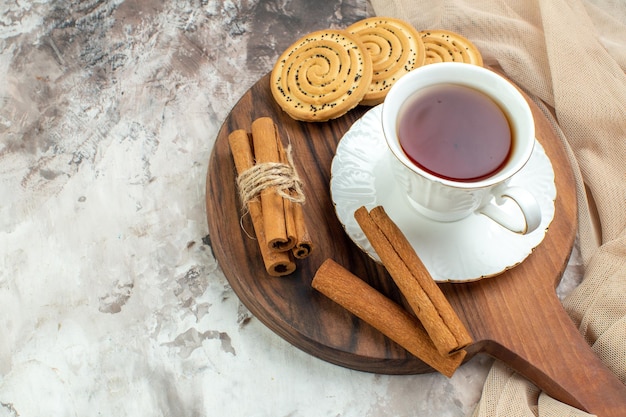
(570, 56)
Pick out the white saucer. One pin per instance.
(467, 250)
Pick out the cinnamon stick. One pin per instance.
(412, 278)
(304, 243)
(280, 233)
(276, 263)
(352, 293)
(296, 225)
(422, 276)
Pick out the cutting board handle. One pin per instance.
(548, 349)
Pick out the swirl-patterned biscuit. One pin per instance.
(321, 76)
(396, 48)
(446, 46)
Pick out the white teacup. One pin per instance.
(445, 199)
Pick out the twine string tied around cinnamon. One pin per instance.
(281, 176)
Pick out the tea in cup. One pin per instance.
(458, 133)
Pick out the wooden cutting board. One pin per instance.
(515, 317)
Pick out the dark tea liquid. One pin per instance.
(455, 132)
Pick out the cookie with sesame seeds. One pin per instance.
(321, 76)
(446, 46)
(395, 47)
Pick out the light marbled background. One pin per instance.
(111, 302)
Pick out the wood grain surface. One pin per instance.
(515, 317)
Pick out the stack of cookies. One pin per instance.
(326, 73)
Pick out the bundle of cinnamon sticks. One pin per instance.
(433, 332)
(272, 196)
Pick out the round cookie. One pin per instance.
(447, 46)
(396, 48)
(321, 76)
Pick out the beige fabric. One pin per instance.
(570, 55)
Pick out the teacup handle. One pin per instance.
(523, 223)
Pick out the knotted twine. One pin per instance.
(280, 176)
